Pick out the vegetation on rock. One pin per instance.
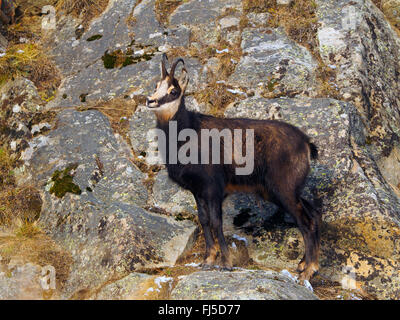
(63, 182)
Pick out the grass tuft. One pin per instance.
(30, 61)
(164, 8)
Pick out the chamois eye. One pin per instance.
(174, 92)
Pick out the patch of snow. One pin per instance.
(139, 52)
(16, 108)
(13, 146)
(235, 236)
(153, 35)
(223, 50)
(162, 279)
(286, 273)
(151, 289)
(308, 285)
(192, 264)
(236, 91)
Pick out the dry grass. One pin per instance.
(392, 21)
(29, 244)
(30, 61)
(18, 206)
(21, 237)
(216, 97)
(85, 9)
(117, 110)
(164, 8)
(6, 166)
(258, 5)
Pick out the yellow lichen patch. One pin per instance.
(378, 236)
(367, 267)
(371, 236)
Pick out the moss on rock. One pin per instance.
(63, 182)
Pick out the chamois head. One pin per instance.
(169, 91)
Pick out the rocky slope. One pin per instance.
(118, 217)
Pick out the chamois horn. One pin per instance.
(164, 71)
(174, 66)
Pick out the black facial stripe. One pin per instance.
(167, 98)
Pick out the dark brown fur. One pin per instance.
(282, 156)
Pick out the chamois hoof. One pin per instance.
(308, 273)
(206, 267)
(226, 268)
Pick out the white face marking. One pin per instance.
(169, 109)
(161, 91)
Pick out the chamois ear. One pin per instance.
(164, 72)
(183, 80)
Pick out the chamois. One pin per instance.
(282, 155)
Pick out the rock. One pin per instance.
(202, 18)
(92, 196)
(21, 108)
(22, 282)
(137, 79)
(171, 198)
(273, 62)
(243, 212)
(82, 60)
(258, 19)
(112, 26)
(240, 285)
(130, 287)
(356, 39)
(142, 121)
(144, 14)
(201, 12)
(359, 209)
(228, 22)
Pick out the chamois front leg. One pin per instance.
(204, 218)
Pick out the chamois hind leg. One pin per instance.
(204, 218)
(315, 230)
(309, 228)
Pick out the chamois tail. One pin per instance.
(313, 150)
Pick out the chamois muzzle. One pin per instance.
(152, 103)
